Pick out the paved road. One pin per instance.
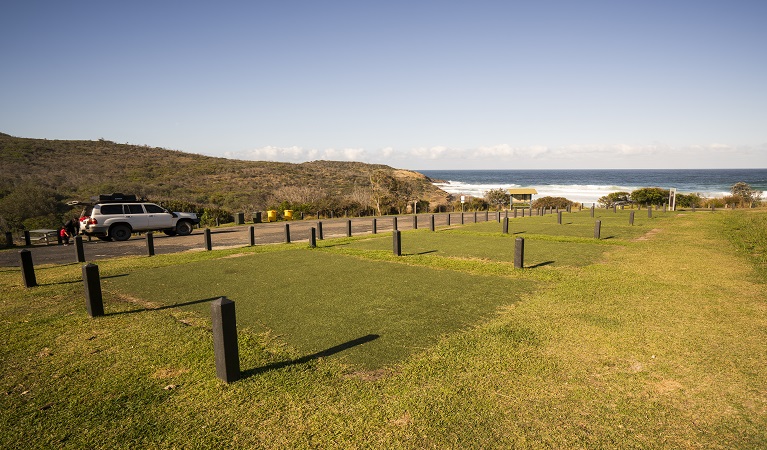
(265, 233)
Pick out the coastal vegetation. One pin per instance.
(742, 196)
(38, 177)
(617, 342)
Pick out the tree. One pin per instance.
(497, 197)
(745, 195)
(383, 187)
(650, 196)
(614, 197)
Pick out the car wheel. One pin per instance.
(120, 232)
(184, 228)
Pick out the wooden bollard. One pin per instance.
(150, 244)
(320, 236)
(79, 250)
(519, 253)
(415, 222)
(208, 241)
(225, 348)
(313, 238)
(397, 242)
(92, 283)
(592, 210)
(559, 217)
(27, 269)
(375, 230)
(349, 228)
(649, 212)
(506, 225)
(631, 218)
(597, 229)
(431, 223)
(287, 233)
(515, 213)
(252, 233)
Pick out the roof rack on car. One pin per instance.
(118, 197)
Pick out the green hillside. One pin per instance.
(80, 170)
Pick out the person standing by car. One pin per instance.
(71, 226)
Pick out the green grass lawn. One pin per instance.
(655, 337)
(317, 300)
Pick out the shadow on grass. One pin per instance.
(304, 359)
(545, 263)
(80, 280)
(421, 253)
(160, 308)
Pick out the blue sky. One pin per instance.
(416, 85)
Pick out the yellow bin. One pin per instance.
(288, 214)
(271, 216)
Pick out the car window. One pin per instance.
(111, 209)
(134, 209)
(153, 209)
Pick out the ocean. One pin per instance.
(586, 186)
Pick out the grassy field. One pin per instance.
(653, 337)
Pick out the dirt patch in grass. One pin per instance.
(649, 235)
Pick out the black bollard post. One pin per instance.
(448, 219)
(93, 300)
(320, 236)
(27, 239)
(8, 239)
(415, 222)
(79, 250)
(487, 216)
(431, 222)
(149, 243)
(208, 242)
(523, 213)
(287, 233)
(375, 228)
(394, 223)
(58, 236)
(597, 229)
(225, 348)
(631, 218)
(349, 228)
(397, 242)
(27, 269)
(559, 217)
(313, 238)
(506, 225)
(519, 253)
(252, 232)
(475, 217)
(462, 219)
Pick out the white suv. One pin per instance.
(117, 220)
